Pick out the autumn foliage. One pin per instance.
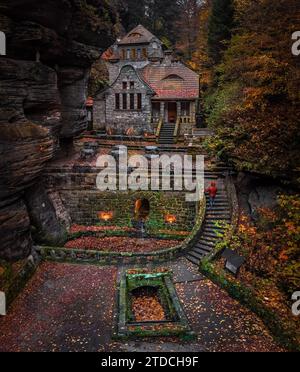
(272, 244)
(253, 98)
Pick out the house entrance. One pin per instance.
(172, 112)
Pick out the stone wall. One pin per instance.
(83, 201)
(119, 121)
(84, 208)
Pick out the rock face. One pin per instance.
(50, 48)
(255, 193)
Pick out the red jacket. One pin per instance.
(212, 190)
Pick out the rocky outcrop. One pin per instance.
(50, 48)
(256, 192)
(47, 227)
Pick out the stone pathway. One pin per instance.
(71, 308)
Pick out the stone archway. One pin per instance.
(142, 209)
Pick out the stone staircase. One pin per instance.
(166, 136)
(219, 215)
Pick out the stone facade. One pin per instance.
(138, 65)
(128, 114)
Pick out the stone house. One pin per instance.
(146, 86)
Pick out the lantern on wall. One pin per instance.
(170, 219)
(106, 216)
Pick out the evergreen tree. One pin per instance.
(134, 14)
(159, 16)
(220, 28)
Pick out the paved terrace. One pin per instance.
(71, 308)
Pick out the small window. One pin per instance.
(133, 54)
(117, 101)
(131, 101)
(131, 85)
(139, 53)
(128, 53)
(124, 101)
(124, 85)
(185, 108)
(139, 101)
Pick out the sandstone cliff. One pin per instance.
(43, 79)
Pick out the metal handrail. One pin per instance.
(177, 126)
(158, 130)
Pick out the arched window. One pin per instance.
(173, 77)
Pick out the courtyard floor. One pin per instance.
(121, 244)
(72, 307)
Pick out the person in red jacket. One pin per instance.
(212, 192)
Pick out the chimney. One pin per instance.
(168, 58)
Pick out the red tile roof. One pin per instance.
(110, 55)
(172, 82)
(90, 102)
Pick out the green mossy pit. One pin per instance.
(175, 324)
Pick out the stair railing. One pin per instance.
(159, 127)
(177, 128)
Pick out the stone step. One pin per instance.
(210, 239)
(212, 226)
(208, 243)
(212, 212)
(212, 234)
(204, 251)
(197, 255)
(220, 208)
(193, 260)
(205, 247)
(217, 219)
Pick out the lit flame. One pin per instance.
(106, 216)
(170, 218)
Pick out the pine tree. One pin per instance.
(188, 27)
(220, 28)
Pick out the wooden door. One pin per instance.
(172, 112)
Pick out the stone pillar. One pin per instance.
(162, 110)
(178, 109)
(193, 111)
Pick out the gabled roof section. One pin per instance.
(110, 55)
(172, 82)
(139, 35)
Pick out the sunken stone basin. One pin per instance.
(148, 306)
